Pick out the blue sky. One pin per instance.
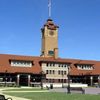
(79, 22)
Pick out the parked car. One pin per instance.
(2, 97)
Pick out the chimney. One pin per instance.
(55, 53)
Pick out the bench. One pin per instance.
(77, 89)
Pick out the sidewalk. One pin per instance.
(13, 97)
(89, 90)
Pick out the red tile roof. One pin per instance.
(5, 65)
(36, 68)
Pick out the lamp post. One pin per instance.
(68, 87)
(41, 80)
(42, 76)
(5, 78)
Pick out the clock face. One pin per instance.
(51, 33)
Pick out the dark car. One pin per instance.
(2, 97)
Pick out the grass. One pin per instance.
(54, 96)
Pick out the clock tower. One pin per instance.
(49, 39)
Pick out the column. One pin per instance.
(91, 79)
(99, 80)
(29, 79)
(18, 78)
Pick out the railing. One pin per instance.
(8, 84)
(35, 84)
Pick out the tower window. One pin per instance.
(51, 52)
(42, 52)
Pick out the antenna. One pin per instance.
(49, 8)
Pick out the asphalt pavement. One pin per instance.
(88, 90)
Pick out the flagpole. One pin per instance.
(49, 8)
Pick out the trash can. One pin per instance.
(51, 86)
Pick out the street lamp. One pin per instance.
(5, 77)
(42, 77)
(68, 87)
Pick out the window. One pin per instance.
(85, 67)
(51, 52)
(59, 80)
(53, 80)
(53, 64)
(64, 80)
(47, 64)
(42, 52)
(50, 72)
(20, 63)
(50, 80)
(50, 64)
(59, 65)
(53, 72)
(46, 71)
(64, 72)
(59, 72)
(47, 80)
(62, 65)
(65, 65)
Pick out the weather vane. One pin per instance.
(49, 8)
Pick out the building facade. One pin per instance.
(48, 68)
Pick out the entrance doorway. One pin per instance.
(23, 80)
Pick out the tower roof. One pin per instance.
(50, 24)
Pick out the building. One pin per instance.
(48, 68)
(49, 40)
